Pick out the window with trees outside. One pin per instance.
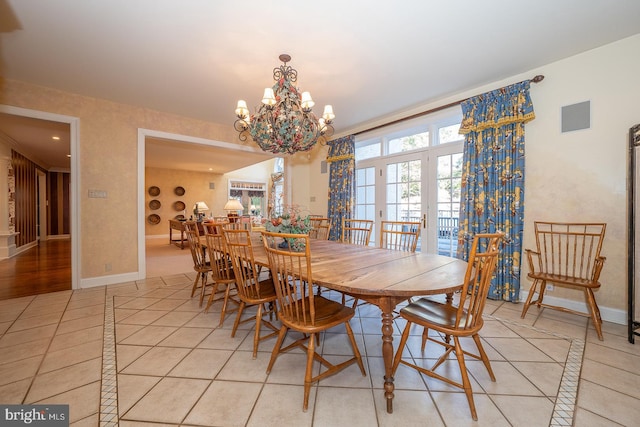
(412, 171)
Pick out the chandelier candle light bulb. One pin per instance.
(284, 122)
(242, 110)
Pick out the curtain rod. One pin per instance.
(536, 79)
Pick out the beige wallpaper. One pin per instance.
(108, 162)
(196, 186)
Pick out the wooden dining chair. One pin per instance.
(320, 227)
(300, 310)
(567, 254)
(399, 235)
(222, 272)
(451, 321)
(201, 266)
(356, 231)
(191, 225)
(252, 290)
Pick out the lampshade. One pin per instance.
(284, 122)
(201, 206)
(233, 205)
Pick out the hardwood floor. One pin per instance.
(41, 269)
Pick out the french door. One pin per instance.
(422, 186)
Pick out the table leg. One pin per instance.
(449, 301)
(387, 305)
(387, 354)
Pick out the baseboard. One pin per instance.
(157, 236)
(26, 247)
(58, 237)
(113, 279)
(613, 315)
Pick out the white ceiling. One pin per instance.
(196, 58)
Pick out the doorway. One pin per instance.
(165, 150)
(418, 186)
(38, 147)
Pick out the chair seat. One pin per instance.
(328, 314)
(439, 316)
(263, 292)
(558, 278)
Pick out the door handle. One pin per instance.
(424, 220)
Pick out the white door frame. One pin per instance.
(74, 144)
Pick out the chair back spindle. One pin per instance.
(356, 231)
(569, 250)
(399, 235)
(320, 227)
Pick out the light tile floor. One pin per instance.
(144, 353)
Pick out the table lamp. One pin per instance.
(232, 207)
(199, 208)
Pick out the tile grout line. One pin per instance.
(566, 399)
(109, 387)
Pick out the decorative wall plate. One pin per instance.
(179, 191)
(154, 191)
(179, 206)
(153, 219)
(154, 204)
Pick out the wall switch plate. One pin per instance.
(97, 194)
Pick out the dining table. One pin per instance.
(381, 277)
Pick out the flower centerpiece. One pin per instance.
(292, 222)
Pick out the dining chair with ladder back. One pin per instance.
(302, 311)
(201, 266)
(399, 235)
(356, 231)
(455, 321)
(252, 290)
(222, 272)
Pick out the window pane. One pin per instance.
(456, 161)
(392, 171)
(370, 195)
(392, 195)
(370, 212)
(368, 151)
(407, 143)
(449, 134)
(371, 176)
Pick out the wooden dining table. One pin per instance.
(381, 277)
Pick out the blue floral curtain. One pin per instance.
(341, 158)
(492, 194)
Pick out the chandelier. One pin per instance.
(284, 122)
